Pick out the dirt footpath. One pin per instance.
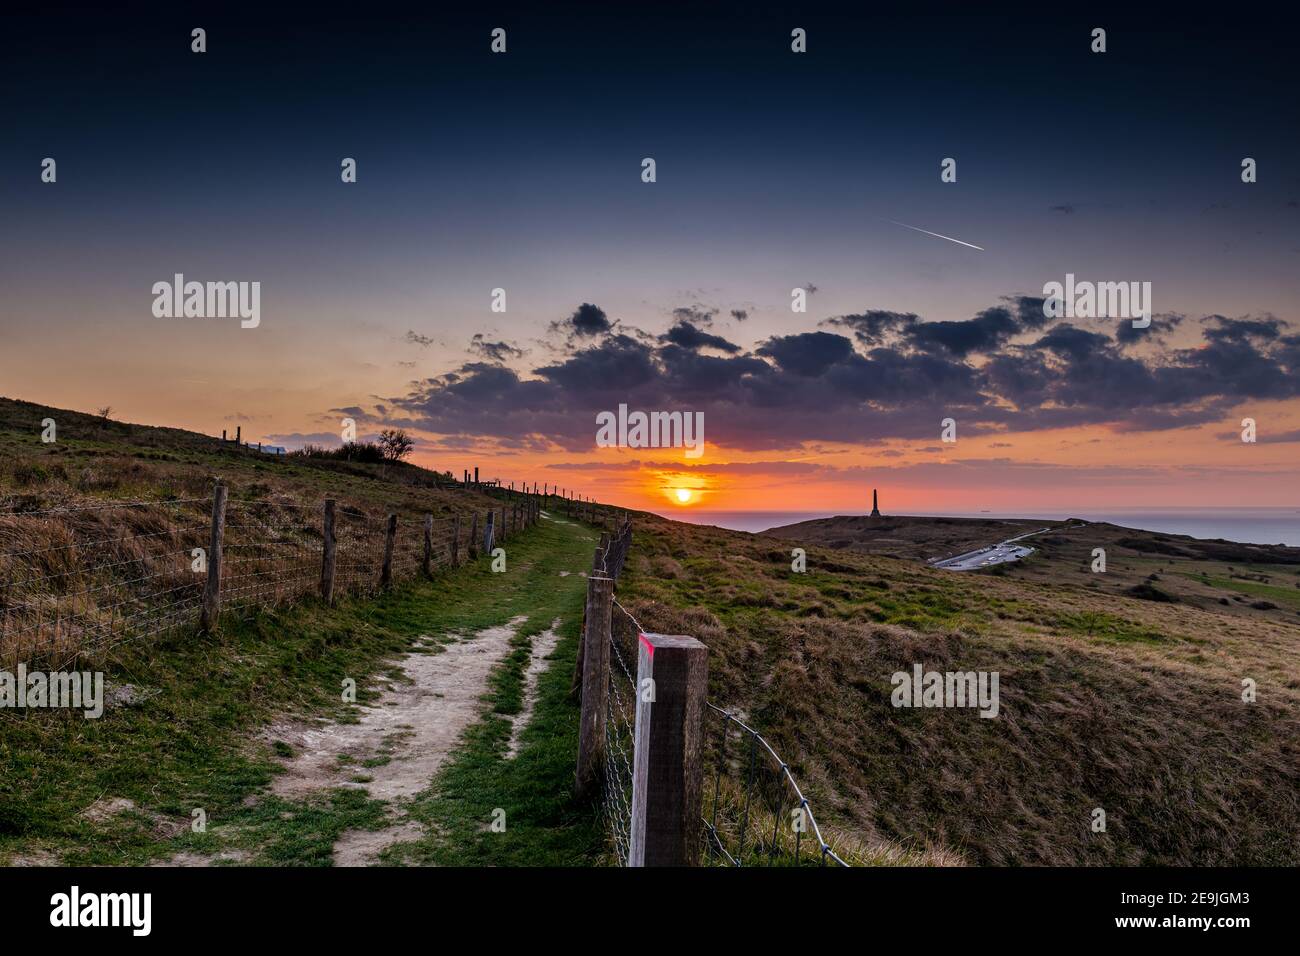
(415, 723)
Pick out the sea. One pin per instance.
(1244, 525)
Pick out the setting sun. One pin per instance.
(683, 495)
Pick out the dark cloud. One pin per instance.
(1266, 438)
(1242, 330)
(589, 320)
(989, 330)
(618, 363)
(740, 315)
(494, 351)
(415, 338)
(1028, 310)
(808, 353)
(695, 315)
(1161, 325)
(1064, 208)
(688, 336)
(1073, 343)
(874, 326)
(891, 375)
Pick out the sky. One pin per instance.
(774, 170)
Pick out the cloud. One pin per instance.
(808, 353)
(588, 320)
(295, 440)
(1266, 438)
(1161, 325)
(870, 377)
(689, 337)
(416, 338)
(494, 351)
(695, 315)
(989, 330)
(740, 315)
(872, 327)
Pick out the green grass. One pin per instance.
(1107, 627)
(543, 824)
(1289, 596)
(190, 745)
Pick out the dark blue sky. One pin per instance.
(522, 171)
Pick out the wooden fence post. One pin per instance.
(212, 589)
(472, 547)
(672, 678)
(428, 544)
(390, 538)
(455, 541)
(488, 538)
(329, 555)
(595, 683)
(597, 571)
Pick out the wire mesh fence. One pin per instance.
(79, 580)
(272, 553)
(73, 579)
(620, 700)
(754, 811)
(360, 550)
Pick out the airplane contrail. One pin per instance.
(935, 234)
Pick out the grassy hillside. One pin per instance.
(181, 728)
(1120, 691)
(98, 459)
(1108, 700)
(902, 536)
(80, 570)
(190, 738)
(1243, 580)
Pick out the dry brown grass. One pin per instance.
(97, 529)
(1106, 701)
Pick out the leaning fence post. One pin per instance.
(595, 682)
(390, 538)
(672, 677)
(329, 555)
(487, 533)
(212, 589)
(455, 541)
(428, 543)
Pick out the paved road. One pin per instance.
(1000, 553)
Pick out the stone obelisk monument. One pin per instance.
(875, 507)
